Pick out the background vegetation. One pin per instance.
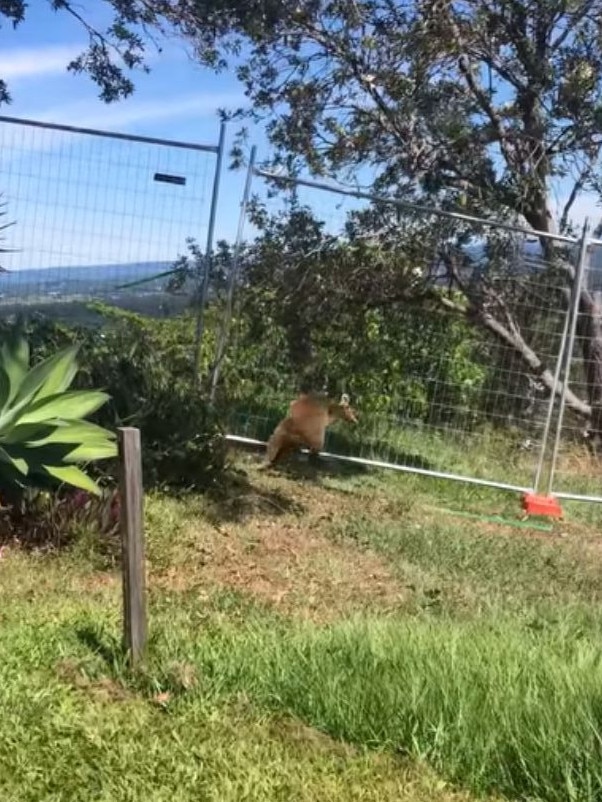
(337, 634)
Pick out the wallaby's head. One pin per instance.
(343, 410)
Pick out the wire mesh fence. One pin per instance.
(98, 216)
(577, 468)
(452, 335)
(446, 331)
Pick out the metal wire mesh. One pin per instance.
(446, 332)
(97, 216)
(577, 472)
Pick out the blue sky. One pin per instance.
(81, 200)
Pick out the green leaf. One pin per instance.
(14, 357)
(10, 478)
(39, 375)
(92, 451)
(4, 387)
(71, 475)
(18, 463)
(57, 453)
(71, 405)
(54, 454)
(10, 416)
(62, 374)
(63, 431)
(41, 426)
(63, 453)
(22, 433)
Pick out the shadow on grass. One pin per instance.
(102, 644)
(237, 499)
(347, 444)
(314, 469)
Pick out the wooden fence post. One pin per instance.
(132, 543)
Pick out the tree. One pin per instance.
(120, 48)
(111, 53)
(486, 103)
(482, 102)
(335, 316)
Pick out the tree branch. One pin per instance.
(577, 187)
(530, 358)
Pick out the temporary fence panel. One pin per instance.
(101, 215)
(446, 330)
(576, 471)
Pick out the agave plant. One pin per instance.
(43, 434)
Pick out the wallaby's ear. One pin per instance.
(345, 400)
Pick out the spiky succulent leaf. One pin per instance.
(14, 360)
(4, 388)
(26, 432)
(50, 372)
(70, 405)
(62, 431)
(62, 374)
(74, 476)
(17, 462)
(87, 449)
(42, 427)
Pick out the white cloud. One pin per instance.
(44, 61)
(33, 62)
(132, 112)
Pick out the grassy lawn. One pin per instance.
(315, 636)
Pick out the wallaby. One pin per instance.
(305, 425)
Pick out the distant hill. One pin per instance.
(105, 281)
(94, 281)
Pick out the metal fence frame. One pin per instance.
(552, 434)
(218, 150)
(557, 400)
(554, 487)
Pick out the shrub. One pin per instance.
(43, 431)
(145, 366)
(40, 519)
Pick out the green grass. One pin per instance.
(77, 726)
(478, 672)
(492, 706)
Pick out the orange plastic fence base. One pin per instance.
(547, 506)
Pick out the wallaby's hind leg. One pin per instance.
(278, 447)
(315, 446)
(272, 452)
(314, 456)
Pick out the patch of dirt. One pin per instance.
(306, 738)
(101, 690)
(282, 554)
(286, 560)
(96, 582)
(294, 567)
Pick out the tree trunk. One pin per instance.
(530, 358)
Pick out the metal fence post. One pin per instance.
(224, 333)
(560, 361)
(570, 347)
(202, 300)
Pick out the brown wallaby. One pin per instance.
(305, 425)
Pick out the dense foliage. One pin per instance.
(145, 366)
(493, 107)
